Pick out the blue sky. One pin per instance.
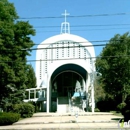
(103, 27)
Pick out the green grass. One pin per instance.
(116, 113)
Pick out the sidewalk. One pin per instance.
(55, 121)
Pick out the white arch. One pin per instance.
(57, 64)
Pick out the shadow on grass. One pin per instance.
(116, 119)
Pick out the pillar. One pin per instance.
(87, 87)
(92, 96)
(83, 84)
(34, 93)
(50, 103)
(29, 94)
(48, 97)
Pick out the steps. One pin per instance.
(67, 121)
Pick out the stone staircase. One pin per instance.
(68, 121)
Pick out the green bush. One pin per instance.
(126, 110)
(1, 113)
(89, 109)
(97, 110)
(8, 118)
(24, 109)
(121, 106)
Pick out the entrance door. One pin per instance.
(64, 85)
(66, 82)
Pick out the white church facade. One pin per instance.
(65, 73)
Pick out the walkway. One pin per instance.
(56, 121)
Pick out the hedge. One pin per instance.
(24, 109)
(8, 118)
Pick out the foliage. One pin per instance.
(36, 105)
(8, 118)
(15, 44)
(24, 109)
(121, 106)
(99, 93)
(31, 81)
(106, 105)
(114, 65)
(117, 113)
(97, 110)
(89, 109)
(126, 109)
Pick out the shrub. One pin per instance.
(126, 115)
(89, 109)
(126, 110)
(24, 109)
(1, 113)
(97, 110)
(36, 108)
(8, 118)
(121, 106)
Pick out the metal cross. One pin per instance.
(65, 14)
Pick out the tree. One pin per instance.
(31, 82)
(14, 39)
(98, 90)
(114, 65)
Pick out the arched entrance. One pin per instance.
(63, 86)
(65, 82)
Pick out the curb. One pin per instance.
(72, 114)
(70, 121)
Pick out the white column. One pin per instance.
(87, 87)
(83, 84)
(29, 94)
(48, 97)
(92, 91)
(92, 96)
(50, 103)
(87, 82)
(34, 93)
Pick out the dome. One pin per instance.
(68, 37)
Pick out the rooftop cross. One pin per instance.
(65, 14)
(65, 26)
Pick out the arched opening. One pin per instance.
(63, 85)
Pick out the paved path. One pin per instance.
(55, 121)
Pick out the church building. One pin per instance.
(65, 68)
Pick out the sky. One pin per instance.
(94, 20)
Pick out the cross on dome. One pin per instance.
(65, 14)
(65, 26)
